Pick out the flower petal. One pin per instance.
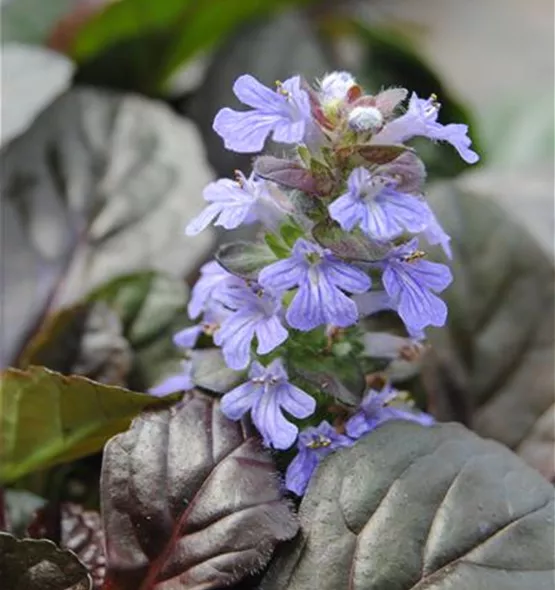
(403, 212)
(373, 302)
(417, 306)
(300, 471)
(188, 337)
(433, 275)
(457, 135)
(240, 400)
(244, 132)
(435, 234)
(282, 275)
(254, 94)
(271, 423)
(286, 131)
(358, 179)
(347, 277)
(339, 310)
(306, 310)
(212, 275)
(233, 215)
(270, 334)
(180, 382)
(357, 426)
(203, 219)
(346, 211)
(277, 369)
(294, 400)
(235, 336)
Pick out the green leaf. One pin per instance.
(277, 245)
(48, 418)
(92, 190)
(492, 365)
(245, 259)
(290, 231)
(33, 564)
(392, 59)
(419, 508)
(154, 38)
(353, 245)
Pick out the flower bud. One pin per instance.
(365, 119)
(335, 86)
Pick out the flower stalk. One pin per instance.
(345, 227)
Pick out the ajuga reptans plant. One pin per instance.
(345, 227)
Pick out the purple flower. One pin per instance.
(213, 281)
(254, 313)
(322, 280)
(266, 394)
(187, 338)
(314, 444)
(377, 408)
(411, 283)
(233, 202)
(381, 211)
(285, 112)
(211, 320)
(435, 234)
(421, 120)
(180, 382)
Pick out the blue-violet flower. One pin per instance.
(213, 281)
(285, 112)
(236, 202)
(411, 283)
(421, 120)
(381, 211)
(266, 394)
(182, 381)
(254, 312)
(313, 445)
(377, 408)
(322, 279)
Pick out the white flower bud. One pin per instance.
(365, 119)
(334, 86)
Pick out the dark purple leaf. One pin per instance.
(408, 170)
(288, 174)
(31, 564)
(348, 245)
(77, 530)
(415, 508)
(379, 154)
(189, 501)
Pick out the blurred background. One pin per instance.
(107, 107)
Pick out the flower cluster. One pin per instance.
(344, 219)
